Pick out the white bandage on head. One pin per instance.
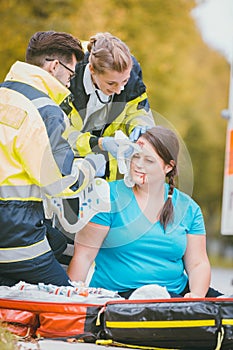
(126, 150)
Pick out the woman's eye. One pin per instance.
(136, 155)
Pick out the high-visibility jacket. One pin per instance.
(34, 158)
(129, 109)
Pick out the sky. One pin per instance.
(214, 19)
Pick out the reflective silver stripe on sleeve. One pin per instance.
(61, 184)
(43, 101)
(15, 254)
(34, 191)
(25, 191)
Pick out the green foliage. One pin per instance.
(7, 340)
(187, 82)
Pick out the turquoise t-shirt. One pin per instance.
(137, 252)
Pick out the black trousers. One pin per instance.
(56, 239)
(212, 293)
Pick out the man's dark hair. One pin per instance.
(51, 44)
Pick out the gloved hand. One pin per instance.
(98, 162)
(137, 132)
(111, 145)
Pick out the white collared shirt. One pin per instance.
(93, 120)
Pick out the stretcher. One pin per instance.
(102, 317)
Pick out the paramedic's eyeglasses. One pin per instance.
(73, 74)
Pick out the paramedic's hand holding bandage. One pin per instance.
(122, 149)
(112, 145)
(137, 132)
(109, 144)
(126, 149)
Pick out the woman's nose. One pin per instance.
(117, 89)
(139, 163)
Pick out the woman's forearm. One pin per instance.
(79, 267)
(199, 280)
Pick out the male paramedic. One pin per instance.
(36, 160)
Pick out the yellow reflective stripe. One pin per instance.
(227, 322)
(112, 168)
(34, 199)
(138, 99)
(15, 254)
(60, 186)
(76, 120)
(107, 342)
(161, 324)
(83, 144)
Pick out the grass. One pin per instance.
(7, 340)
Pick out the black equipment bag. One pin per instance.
(186, 324)
(226, 313)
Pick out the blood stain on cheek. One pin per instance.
(143, 177)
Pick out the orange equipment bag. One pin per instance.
(21, 323)
(51, 319)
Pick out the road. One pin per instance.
(222, 280)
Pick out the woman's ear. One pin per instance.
(169, 167)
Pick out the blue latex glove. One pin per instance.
(97, 169)
(98, 162)
(111, 145)
(137, 132)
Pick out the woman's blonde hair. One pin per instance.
(108, 52)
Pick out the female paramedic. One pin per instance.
(109, 95)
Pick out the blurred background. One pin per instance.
(187, 80)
